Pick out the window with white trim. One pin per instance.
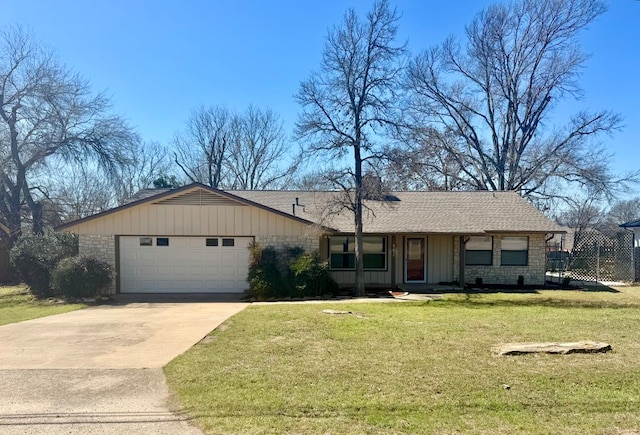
(514, 251)
(479, 251)
(342, 252)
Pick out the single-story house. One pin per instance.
(195, 238)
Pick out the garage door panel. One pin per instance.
(186, 265)
(128, 256)
(197, 257)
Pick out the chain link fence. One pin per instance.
(596, 256)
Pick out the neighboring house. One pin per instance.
(195, 238)
(635, 227)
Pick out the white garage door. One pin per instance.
(155, 264)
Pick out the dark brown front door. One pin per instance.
(415, 265)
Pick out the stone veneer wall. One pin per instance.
(103, 248)
(533, 274)
(309, 242)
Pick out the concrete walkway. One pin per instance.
(99, 370)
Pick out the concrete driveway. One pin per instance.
(98, 370)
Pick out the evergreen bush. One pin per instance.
(264, 277)
(288, 272)
(81, 276)
(36, 255)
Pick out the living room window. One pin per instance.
(479, 251)
(342, 252)
(514, 251)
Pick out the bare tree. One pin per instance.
(582, 214)
(418, 165)
(621, 212)
(260, 157)
(350, 100)
(76, 191)
(146, 162)
(47, 112)
(202, 149)
(497, 94)
(228, 150)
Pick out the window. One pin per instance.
(342, 252)
(479, 251)
(162, 241)
(146, 241)
(212, 242)
(515, 251)
(228, 242)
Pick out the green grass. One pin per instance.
(17, 304)
(418, 367)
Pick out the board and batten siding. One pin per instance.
(439, 259)
(192, 220)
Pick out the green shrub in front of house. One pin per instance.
(287, 273)
(265, 279)
(36, 255)
(81, 276)
(312, 277)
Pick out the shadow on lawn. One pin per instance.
(470, 301)
(532, 289)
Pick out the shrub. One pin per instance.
(81, 276)
(265, 279)
(287, 272)
(36, 255)
(286, 256)
(312, 277)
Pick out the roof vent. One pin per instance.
(199, 197)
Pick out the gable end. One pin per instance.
(200, 197)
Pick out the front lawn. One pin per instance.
(418, 367)
(17, 304)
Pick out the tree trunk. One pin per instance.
(38, 223)
(359, 278)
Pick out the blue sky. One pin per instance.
(160, 59)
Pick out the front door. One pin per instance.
(415, 260)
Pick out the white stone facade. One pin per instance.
(533, 273)
(309, 243)
(103, 248)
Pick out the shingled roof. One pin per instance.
(474, 212)
(632, 224)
